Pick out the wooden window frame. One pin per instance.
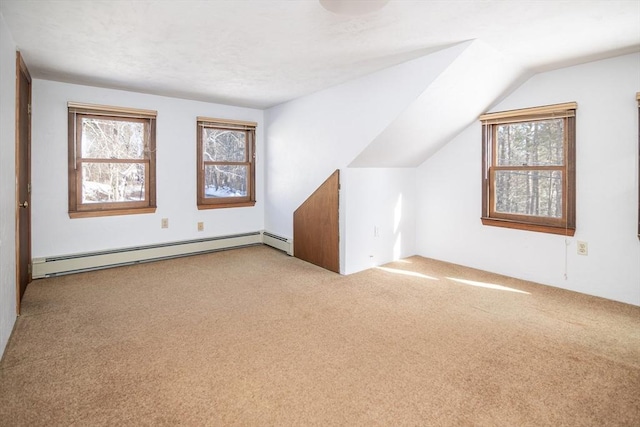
(250, 145)
(78, 209)
(565, 225)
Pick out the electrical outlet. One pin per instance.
(164, 223)
(201, 226)
(583, 248)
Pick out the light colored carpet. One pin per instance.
(254, 337)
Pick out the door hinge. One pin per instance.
(29, 268)
(29, 109)
(29, 188)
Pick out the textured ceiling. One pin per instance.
(260, 53)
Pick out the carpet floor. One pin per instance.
(252, 337)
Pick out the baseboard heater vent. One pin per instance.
(278, 242)
(53, 266)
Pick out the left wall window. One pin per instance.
(112, 160)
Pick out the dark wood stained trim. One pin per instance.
(22, 193)
(150, 185)
(77, 209)
(526, 114)
(570, 197)
(227, 205)
(72, 163)
(249, 200)
(565, 225)
(199, 166)
(111, 110)
(528, 226)
(485, 170)
(112, 212)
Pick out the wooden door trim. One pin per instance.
(21, 68)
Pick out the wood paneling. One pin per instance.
(316, 235)
(23, 178)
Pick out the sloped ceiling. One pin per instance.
(462, 91)
(311, 136)
(262, 53)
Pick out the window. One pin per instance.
(528, 169)
(226, 163)
(112, 160)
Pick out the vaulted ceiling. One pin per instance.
(260, 53)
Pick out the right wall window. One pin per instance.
(528, 169)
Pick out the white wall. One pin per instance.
(377, 215)
(54, 233)
(310, 137)
(7, 184)
(449, 183)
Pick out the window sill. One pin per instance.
(111, 212)
(528, 226)
(226, 205)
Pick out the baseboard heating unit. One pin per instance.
(278, 242)
(75, 263)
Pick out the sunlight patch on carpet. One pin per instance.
(406, 273)
(487, 285)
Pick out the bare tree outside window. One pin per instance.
(226, 166)
(529, 169)
(536, 192)
(111, 161)
(112, 139)
(222, 178)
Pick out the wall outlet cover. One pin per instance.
(583, 248)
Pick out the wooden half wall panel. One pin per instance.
(316, 226)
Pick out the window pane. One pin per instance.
(113, 182)
(112, 139)
(539, 143)
(222, 145)
(537, 193)
(225, 181)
